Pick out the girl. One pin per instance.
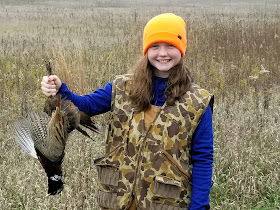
(159, 148)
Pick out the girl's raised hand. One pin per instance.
(50, 85)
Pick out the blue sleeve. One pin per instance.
(95, 103)
(202, 159)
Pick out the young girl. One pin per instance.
(159, 148)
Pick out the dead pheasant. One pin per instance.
(44, 134)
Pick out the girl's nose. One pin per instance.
(162, 51)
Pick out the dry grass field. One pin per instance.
(233, 50)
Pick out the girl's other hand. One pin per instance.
(50, 85)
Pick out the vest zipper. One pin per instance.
(179, 168)
(144, 136)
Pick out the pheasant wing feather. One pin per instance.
(23, 137)
(37, 124)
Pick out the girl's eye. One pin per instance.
(170, 46)
(154, 46)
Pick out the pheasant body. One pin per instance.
(43, 135)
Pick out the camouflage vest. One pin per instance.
(153, 165)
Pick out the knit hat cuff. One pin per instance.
(178, 41)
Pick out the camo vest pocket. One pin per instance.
(167, 187)
(108, 170)
(108, 175)
(169, 194)
(107, 199)
(171, 188)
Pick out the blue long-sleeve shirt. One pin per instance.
(202, 144)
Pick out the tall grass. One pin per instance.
(233, 50)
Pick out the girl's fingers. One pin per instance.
(48, 91)
(50, 85)
(45, 78)
(51, 82)
(53, 79)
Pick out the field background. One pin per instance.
(233, 50)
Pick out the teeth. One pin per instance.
(165, 60)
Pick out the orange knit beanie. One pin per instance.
(166, 27)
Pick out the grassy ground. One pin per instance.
(233, 50)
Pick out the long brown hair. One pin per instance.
(141, 93)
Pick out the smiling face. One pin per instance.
(163, 56)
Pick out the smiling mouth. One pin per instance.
(164, 60)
